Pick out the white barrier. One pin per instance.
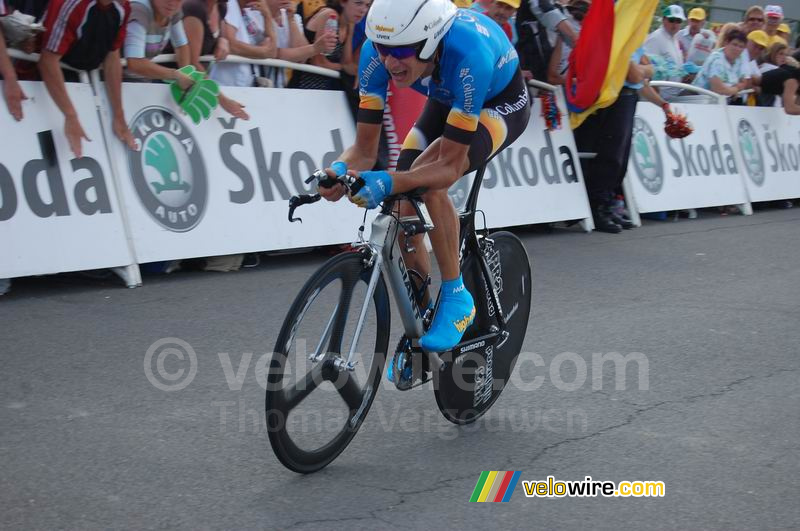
(701, 170)
(58, 213)
(769, 141)
(223, 186)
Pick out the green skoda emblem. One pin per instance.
(168, 171)
(646, 157)
(751, 152)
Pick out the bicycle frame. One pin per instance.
(386, 258)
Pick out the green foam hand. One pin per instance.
(201, 98)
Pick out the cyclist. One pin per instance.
(477, 105)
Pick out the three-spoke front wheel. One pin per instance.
(315, 405)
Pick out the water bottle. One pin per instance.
(332, 26)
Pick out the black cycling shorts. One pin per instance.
(502, 121)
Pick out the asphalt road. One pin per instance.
(708, 308)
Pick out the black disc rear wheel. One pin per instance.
(314, 407)
(475, 375)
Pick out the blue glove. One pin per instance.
(376, 186)
(339, 167)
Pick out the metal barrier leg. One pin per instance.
(630, 201)
(130, 275)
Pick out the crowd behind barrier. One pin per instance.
(221, 191)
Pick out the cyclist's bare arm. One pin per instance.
(444, 161)
(360, 156)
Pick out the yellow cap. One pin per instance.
(759, 37)
(777, 39)
(512, 3)
(784, 28)
(697, 13)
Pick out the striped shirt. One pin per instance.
(83, 32)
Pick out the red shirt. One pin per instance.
(84, 31)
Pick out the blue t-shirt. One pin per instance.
(476, 64)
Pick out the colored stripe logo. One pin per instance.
(495, 486)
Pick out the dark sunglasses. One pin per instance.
(675, 20)
(754, 19)
(398, 52)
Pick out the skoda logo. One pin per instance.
(647, 157)
(459, 191)
(168, 171)
(751, 152)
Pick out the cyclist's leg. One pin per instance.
(501, 122)
(428, 127)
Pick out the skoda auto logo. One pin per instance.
(459, 191)
(168, 171)
(751, 152)
(647, 157)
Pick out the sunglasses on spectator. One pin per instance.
(755, 19)
(675, 20)
(398, 52)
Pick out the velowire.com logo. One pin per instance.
(647, 157)
(168, 171)
(751, 152)
(495, 486)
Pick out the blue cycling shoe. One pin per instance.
(455, 314)
(403, 379)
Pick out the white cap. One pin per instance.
(773, 11)
(674, 11)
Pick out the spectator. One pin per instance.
(152, 25)
(783, 81)
(249, 36)
(753, 20)
(13, 95)
(757, 43)
(559, 60)
(697, 20)
(663, 44)
(774, 18)
(12, 92)
(551, 15)
(775, 57)
(723, 72)
(608, 133)
(502, 11)
(700, 45)
(538, 23)
(348, 13)
(84, 34)
(784, 32)
(725, 30)
(202, 23)
(292, 43)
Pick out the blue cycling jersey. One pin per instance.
(476, 63)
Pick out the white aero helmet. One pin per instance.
(407, 22)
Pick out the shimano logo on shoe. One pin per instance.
(462, 324)
(473, 346)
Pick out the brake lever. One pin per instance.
(322, 179)
(297, 201)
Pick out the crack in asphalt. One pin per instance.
(438, 485)
(640, 410)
